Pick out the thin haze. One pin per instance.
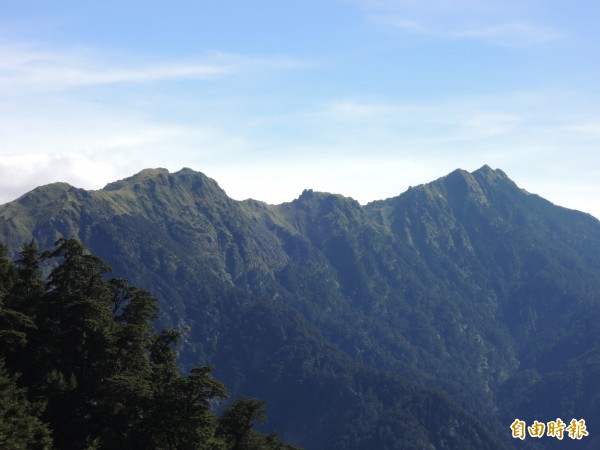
(359, 97)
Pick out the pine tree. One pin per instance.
(14, 324)
(77, 329)
(20, 424)
(236, 423)
(96, 375)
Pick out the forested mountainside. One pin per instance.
(82, 367)
(435, 318)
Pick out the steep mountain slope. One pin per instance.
(334, 312)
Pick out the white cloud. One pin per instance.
(586, 128)
(352, 108)
(19, 174)
(510, 34)
(48, 138)
(24, 67)
(497, 23)
(477, 125)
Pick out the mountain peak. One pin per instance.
(485, 169)
(487, 173)
(186, 176)
(482, 181)
(143, 175)
(186, 171)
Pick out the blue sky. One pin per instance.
(359, 97)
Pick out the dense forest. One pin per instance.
(82, 367)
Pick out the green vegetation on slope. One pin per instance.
(83, 368)
(467, 285)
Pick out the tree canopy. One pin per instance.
(82, 366)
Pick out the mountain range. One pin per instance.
(433, 319)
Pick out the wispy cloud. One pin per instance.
(527, 134)
(586, 128)
(90, 137)
(28, 67)
(458, 118)
(510, 34)
(497, 23)
(23, 66)
(360, 109)
(482, 125)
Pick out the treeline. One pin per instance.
(81, 366)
